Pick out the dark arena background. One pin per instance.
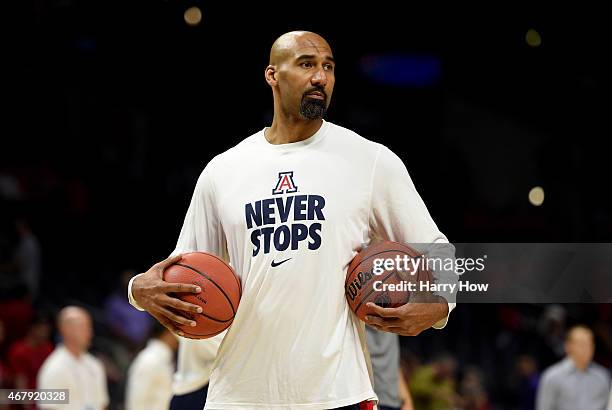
(112, 109)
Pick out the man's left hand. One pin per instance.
(409, 319)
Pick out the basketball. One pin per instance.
(363, 285)
(219, 298)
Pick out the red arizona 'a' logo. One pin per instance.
(285, 183)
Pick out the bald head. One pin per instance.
(580, 346)
(579, 332)
(301, 74)
(74, 324)
(294, 43)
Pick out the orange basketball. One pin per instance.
(219, 298)
(362, 285)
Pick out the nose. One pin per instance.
(319, 78)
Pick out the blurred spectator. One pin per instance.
(389, 384)
(9, 187)
(16, 312)
(149, 382)
(603, 332)
(528, 381)
(131, 326)
(552, 331)
(71, 367)
(27, 355)
(4, 375)
(27, 257)
(575, 382)
(194, 365)
(473, 392)
(433, 386)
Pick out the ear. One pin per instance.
(271, 76)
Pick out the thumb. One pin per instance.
(171, 260)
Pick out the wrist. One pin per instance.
(133, 291)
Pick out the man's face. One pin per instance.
(581, 347)
(79, 331)
(306, 78)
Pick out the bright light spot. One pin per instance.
(193, 16)
(536, 196)
(533, 38)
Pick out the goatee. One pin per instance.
(312, 109)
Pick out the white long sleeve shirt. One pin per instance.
(195, 361)
(149, 381)
(292, 217)
(83, 376)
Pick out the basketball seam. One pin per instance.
(386, 277)
(231, 270)
(364, 297)
(218, 287)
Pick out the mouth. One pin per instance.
(317, 95)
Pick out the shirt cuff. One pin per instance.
(442, 323)
(131, 297)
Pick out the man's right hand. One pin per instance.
(152, 293)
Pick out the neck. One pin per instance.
(73, 350)
(580, 366)
(286, 129)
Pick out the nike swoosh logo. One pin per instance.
(275, 264)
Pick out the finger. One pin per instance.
(387, 329)
(177, 319)
(181, 288)
(382, 312)
(381, 321)
(169, 261)
(180, 305)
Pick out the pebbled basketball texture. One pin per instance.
(359, 284)
(220, 295)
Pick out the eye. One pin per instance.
(306, 64)
(329, 67)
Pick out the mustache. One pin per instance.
(319, 89)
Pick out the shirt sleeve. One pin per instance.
(545, 399)
(202, 230)
(149, 388)
(399, 214)
(208, 348)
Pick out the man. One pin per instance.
(433, 386)
(71, 367)
(575, 382)
(195, 360)
(389, 383)
(293, 204)
(149, 381)
(27, 355)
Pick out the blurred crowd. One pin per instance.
(488, 357)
